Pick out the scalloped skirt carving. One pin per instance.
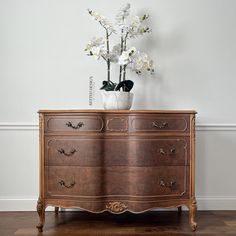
(116, 206)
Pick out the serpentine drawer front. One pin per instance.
(117, 161)
(133, 182)
(84, 151)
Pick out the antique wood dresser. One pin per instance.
(117, 161)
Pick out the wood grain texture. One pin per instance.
(79, 123)
(119, 181)
(159, 123)
(114, 161)
(94, 151)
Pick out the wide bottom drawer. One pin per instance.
(137, 182)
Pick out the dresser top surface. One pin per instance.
(120, 111)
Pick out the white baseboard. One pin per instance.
(216, 203)
(18, 204)
(204, 203)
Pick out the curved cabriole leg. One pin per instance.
(180, 210)
(41, 213)
(56, 210)
(192, 213)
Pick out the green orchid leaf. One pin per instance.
(126, 86)
(108, 86)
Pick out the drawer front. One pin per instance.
(160, 181)
(133, 182)
(76, 124)
(117, 124)
(159, 152)
(159, 123)
(82, 151)
(73, 181)
(74, 151)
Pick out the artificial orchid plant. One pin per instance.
(126, 27)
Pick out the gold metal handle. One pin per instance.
(160, 126)
(68, 154)
(167, 184)
(63, 184)
(171, 152)
(79, 125)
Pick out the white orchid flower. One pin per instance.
(136, 28)
(95, 42)
(123, 13)
(124, 58)
(141, 62)
(127, 56)
(102, 20)
(96, 47)
(115, 53)
(132, 51)
(135, 22)
(128, 27)
(97, 52)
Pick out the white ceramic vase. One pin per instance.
(117, 100)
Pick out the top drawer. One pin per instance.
(78, 123)
(154, 123)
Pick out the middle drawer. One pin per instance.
(81, 151)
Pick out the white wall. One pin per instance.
(43, 65)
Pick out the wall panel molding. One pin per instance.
(18, 126)
(216, 127)
(199, 127)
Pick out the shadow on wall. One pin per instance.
(164, 45)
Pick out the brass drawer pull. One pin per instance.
(166, 184)
(163, 152)
(68, 154)
(160, 126)
(63, 184)
(79, 125)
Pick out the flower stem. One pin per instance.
(121, 50)
(124, 72)
(108, 60)
(120, 74)
(125, 45)
(125, 41)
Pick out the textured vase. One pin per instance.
(117, 100)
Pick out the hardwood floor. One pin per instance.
(150, 223)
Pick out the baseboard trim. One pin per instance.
(204, 203)
(216, 203)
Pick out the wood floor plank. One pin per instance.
(105, 224)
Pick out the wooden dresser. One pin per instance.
(117, 161)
